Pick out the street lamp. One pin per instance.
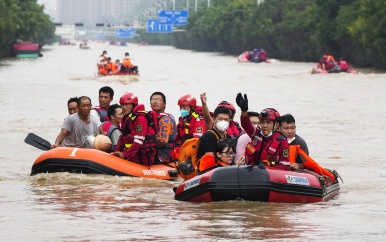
(159, 7)
(165, 4)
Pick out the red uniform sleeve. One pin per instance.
(139, 130)
(247, 125)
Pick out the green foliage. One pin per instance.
(300, 30)
(25, 20)
(8, 25)
(370, 30)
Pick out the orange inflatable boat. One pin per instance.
(92, 161)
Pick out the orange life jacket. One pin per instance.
(187, 157)
(102, 69)
(114, 67)
(110, 66)
(330, 58)
(207, 163)
(127, 63)
(308, 162)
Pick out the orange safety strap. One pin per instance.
(308, 162)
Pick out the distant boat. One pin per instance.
(84, 46)
(121, 76)
(26, 50)
(143, 43)
(66, 42)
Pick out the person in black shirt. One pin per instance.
(210, 138)
(287, 127)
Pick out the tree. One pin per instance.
(370, 29)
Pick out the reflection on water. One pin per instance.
(340, 116)
(150, 203)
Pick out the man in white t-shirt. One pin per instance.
(78, 126)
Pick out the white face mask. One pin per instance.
(127, 57)
(222, 125)
(268, 135)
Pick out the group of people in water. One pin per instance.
(329, 64)
(84, 45)
(107, 67)
(258, 55)
(154, 136)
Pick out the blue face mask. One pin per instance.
(268, 135)
(184, 113)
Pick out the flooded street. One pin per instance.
(341, 117)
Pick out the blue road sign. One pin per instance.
(125, 33)
(175, 17)
(154, 26)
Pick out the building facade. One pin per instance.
(91, 12)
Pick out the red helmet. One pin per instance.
(187, 100)
(228, 106)
(128, 98)
(269, 113)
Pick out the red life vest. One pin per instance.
(127, 63)
(126, 139)
(102, 113)
(234, 130)
(148, 149)
(263, 56)
(330, 62)
(343, 65)
(273, 149)
(108, 129)
(191, 126)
